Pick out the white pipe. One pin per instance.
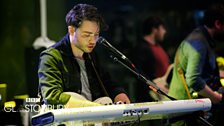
(43, 40)
(43, 20)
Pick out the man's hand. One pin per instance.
(207, 92)
(122, 97)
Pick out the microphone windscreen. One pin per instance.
(100, 40)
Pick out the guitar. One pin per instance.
(101, 100)
(162, 83)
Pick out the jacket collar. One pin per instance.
(211, 41)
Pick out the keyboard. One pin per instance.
(122, 112)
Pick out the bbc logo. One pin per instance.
(32, 99)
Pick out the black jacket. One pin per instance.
(59, 72)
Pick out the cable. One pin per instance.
(137, 122)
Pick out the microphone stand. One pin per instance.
(143, 79)
(153, 86)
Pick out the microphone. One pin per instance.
(106, 44)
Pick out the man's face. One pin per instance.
(86, 35)
(219, 33)
(160, 33)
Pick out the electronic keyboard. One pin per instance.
(122, 112)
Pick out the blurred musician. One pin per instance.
(195, 68)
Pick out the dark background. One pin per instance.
(20, 26)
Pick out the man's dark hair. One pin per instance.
(81, 12)
(150, 23)
(214, 12)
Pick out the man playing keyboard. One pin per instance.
(69, 68)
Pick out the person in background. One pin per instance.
(195, 64)
(149, 56)
(151, 60)
(70, 68)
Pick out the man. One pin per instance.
(70, 64)
(196, 60)
(150, 57)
